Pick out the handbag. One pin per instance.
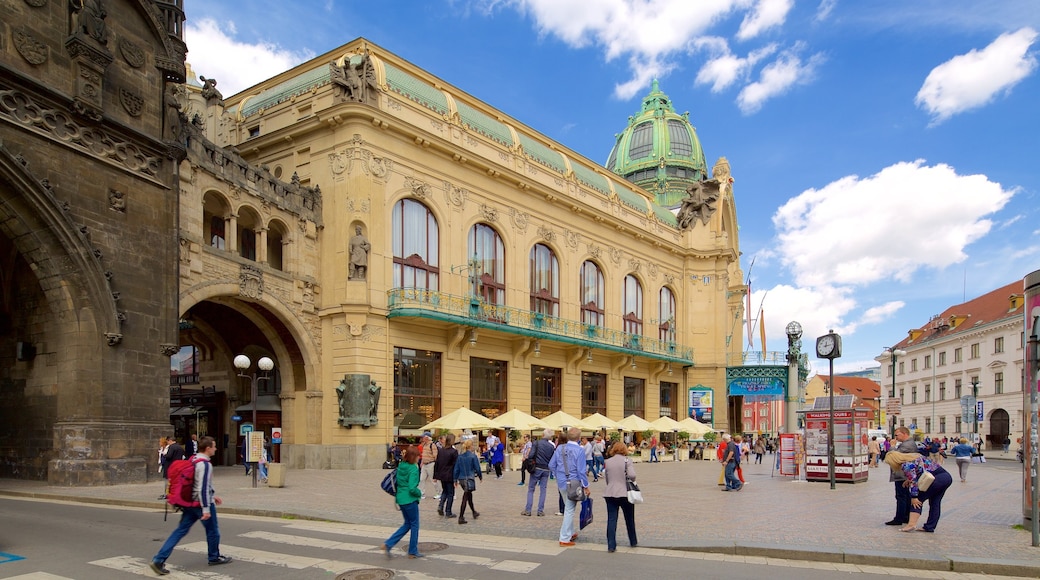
(925, 481)
(586, 513)
(389, 483)
(634, 494)
(469, 484)
(574, 490)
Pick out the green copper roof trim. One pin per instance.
(665, 216)
(415, 90)
(484, 124)
(631, 198)
(284, 91)
(542, 154)
(590, 178)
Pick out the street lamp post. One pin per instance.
(794, 345)
(242, 363)
(975, 413)
(895, 353)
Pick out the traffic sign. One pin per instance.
(276, 435)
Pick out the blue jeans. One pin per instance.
(629, 511)
(597, 465)
(569, 507)
(189, 516)
(732, 481)
(410, 511)
(653, 455)
(902, 502)
(540, 477)
(447, 496)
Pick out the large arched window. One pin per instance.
(416, 238)
(545, 281)
(591, 294)
(666, 314)
(632, 305)
(485, 246)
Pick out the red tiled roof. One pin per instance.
(862, 387)
(988, 308)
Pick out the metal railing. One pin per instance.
(472, 311)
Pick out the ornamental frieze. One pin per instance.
(132, 54)
(520, 219)
(33, 51)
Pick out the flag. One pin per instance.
(747, 314)
(762, 329)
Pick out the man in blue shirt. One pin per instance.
(732, 459)
(567, 463)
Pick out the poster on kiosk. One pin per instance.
(850, 444)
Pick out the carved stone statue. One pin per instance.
(359, 248)
(353, 82)
(90, 18)
(174, 117)
(210, 92)
(358, 401)
(699, 203)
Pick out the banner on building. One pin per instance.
(700, 407)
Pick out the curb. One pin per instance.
(960, 565)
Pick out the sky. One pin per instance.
(885, 153)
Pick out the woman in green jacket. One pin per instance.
(408, 496)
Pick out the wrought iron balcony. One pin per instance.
(472, 311)
(768, 358)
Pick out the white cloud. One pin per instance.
(817, 309)
(881, 313)
(777, 78)
(765, 15)
(723, 67)
(214, 52)
(907, 216)
(972, 80)
(823, 11)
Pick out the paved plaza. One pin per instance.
(981, 528)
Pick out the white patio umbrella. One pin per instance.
(695, 428)
(559, 420)
(597, 421)
(459, 419)
(634, 423)
(666, 425)
(518, 420)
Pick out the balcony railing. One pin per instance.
(471, 311)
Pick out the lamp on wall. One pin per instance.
(472, 336)
(588, 355)
(633, 362)
(537, 348)
(669, 369)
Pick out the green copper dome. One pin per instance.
(659, 151)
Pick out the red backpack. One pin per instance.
(181, 475)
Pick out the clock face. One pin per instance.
(825, 345)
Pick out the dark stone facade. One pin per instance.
(88, 232)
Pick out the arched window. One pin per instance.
(214, 216)
(545, 281)
(248, 225)
(416, 239)
(591, 294)
(666, 314)
(277, 234)
(632, 305)
(486, 247)
(642, 144)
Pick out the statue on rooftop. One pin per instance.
(353, 82)
(210, 92)
(699, 203)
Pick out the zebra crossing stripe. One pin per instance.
(139, 567)
(38, 576)
(257, 556)
(505, 544)
(293, 540)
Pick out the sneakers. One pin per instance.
(220, 560)
(525, 513)
(522, 483)
(566, 544)
(438, 496)
(558, 514)
(386, 551)
(450, 516)
(541, 514)
(159, 568)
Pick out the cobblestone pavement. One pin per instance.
(981, 529)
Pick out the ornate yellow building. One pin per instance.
(398, 247)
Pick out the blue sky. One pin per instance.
(885, 153)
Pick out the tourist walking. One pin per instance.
(653, 450)
(542, 451)
(568, 463)
(428, 453)
(760, 450)
(618, 470)
(444, 472)
(525, 452)
(407, 498)
(202, 493)
(731, 459)
(873, 450)
(498, 458)
(962, 454)
(467, 471)
(173, 453)
(598, 450)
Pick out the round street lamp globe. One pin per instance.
(794, 330)
(265, 364)
(242, 362)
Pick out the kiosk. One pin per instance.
(850, 440)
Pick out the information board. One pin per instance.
(256, 446)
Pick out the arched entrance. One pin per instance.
(999, 429)
(213, 397)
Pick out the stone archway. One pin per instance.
(999, 429)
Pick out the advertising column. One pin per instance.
(1030, 491)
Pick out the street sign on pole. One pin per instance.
(979, 414)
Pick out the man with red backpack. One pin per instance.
(201, 506)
